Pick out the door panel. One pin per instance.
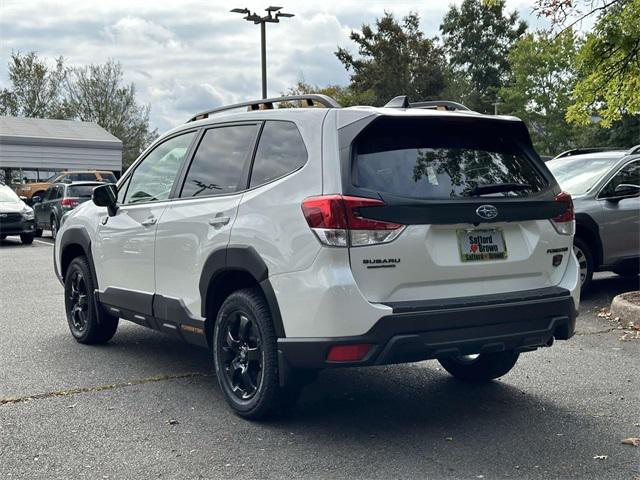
(200, 222)
(125, 247)
(621, 229)
(187, 233)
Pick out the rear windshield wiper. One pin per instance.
(497, 188)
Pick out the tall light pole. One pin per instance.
(273, 16)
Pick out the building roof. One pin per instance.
(44, 131)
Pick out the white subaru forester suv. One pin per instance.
(289, 240)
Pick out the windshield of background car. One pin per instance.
(8, 195)
(579, 174)
(80, 190)
(441, 159)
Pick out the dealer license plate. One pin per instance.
(480, 245)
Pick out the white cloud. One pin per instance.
(190, 55)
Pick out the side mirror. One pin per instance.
(106, 196)
(627, 190)
(35, 199)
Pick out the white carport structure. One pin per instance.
(47, 146)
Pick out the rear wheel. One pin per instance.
(88, 322)
(585, 261)
(246, 357)
(480, 368)
(26, 238)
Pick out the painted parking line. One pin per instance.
(44, 243)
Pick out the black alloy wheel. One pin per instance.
(78, 305)
(242, 356)
(88, 321)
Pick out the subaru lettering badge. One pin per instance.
(487, 212)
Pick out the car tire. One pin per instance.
(585, 261)
(38, 232)
(54, 227)
(246, 357)
(480, 368)
(26, 238)
(88, 322)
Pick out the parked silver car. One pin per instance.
(605, 187)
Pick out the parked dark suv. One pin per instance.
(57, 200)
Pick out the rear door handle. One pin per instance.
(219, 221)
(149, 221)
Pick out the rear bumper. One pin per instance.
(419, 331)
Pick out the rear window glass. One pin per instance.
(441, 159)
(80, 190)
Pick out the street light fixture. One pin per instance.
(273, 16)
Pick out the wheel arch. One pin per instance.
(74, 243)
(229, 269)
(587, 229)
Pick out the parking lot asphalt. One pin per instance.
(148, 406)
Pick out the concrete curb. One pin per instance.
(628, 312)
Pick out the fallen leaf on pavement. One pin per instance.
(600, 457)
(632, 441)
(172, 422)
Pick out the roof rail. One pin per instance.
(402, 101)
(580, 151)
(310, 100)
(634, 150)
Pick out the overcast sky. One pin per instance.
(188, 55)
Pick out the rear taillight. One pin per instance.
(337, 222)
(69, 202)
(565, 222)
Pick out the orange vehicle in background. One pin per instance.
(29, 190)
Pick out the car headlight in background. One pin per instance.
(27, 213)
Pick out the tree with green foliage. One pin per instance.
(37, 89)
(609, 67)
(97, 93)
(394, 58)
(539, 89)
(477, 38)
(343, 95)
(608, 63)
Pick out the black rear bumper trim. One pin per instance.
(458, 330)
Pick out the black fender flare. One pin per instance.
(242, 258)
(586, 222)
(76, 236)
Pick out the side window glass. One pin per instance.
(221, 161)
(280, 151)
(48, 194)
(58, 192)
(153, 178)
(629, 175)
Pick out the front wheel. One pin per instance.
(585, 261)
(26, 238)
(246, 356)
(480, 368)
(88, 322)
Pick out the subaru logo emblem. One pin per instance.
(487, 212)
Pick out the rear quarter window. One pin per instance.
(281, 151)
(440, 159)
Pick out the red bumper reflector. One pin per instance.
(348, 353)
